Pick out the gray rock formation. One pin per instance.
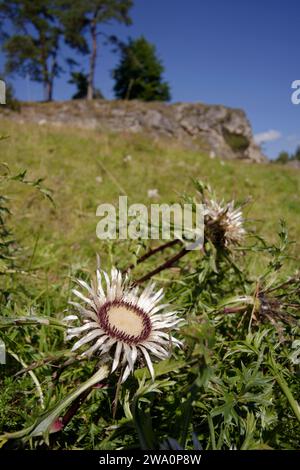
(218, 130)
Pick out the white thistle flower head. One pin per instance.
(223, 223)
(119, 319)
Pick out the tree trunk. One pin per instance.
(50, 80)
(48, 90)
(90, 93)
(47, 82)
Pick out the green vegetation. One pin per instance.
(32, 41)
(238, 143)
(32, 33)
(80, 80)
(236, 381)
(139, 73)
(72, 160)
(285, 157)
(81, 24)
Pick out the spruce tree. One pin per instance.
(139, 73)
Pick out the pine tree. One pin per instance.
(30, 37)
(81, 20)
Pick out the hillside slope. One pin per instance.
(85, 168)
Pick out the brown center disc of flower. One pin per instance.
(124, 321)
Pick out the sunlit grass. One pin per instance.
(233, 383)
(86, 168)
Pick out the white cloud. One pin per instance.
(267, 136)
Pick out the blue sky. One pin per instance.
(240, 53)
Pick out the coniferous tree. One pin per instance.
(30, 36)
(139, 73)
(81, 20)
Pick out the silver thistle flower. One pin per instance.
(121, 318)
(223, 223)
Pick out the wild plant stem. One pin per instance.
(153, 251)
(30, 320)
(116, 399)
(234, 309)
(285, 388)
(212, 432)
(167, 264)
